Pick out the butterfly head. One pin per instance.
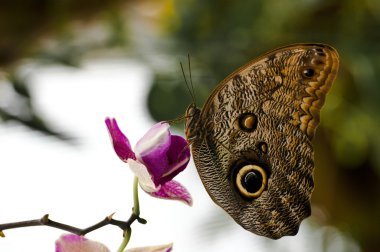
(191, 123)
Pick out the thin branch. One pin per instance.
(45, 221)
(124, 225)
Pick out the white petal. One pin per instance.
(159, 248)
(145, 180)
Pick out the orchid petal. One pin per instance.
(77, 243)
(178, 158)
(159, 248)
(120, 142)
(141, 172)
(156, 139)
(173, 190)
(152, 150)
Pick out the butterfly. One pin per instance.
(251, 141)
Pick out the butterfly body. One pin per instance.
(251, 142)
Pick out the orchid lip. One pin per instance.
(176, 167)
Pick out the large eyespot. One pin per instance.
(308, 72)
(251, 181)
(248, 122)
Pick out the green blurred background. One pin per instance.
(220, 36)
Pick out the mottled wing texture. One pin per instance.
(286, 97)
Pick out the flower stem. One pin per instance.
(127, 237)
(136, 213)
(136, 205)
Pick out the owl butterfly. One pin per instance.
(251, 141)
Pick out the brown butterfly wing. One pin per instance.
(282, 93)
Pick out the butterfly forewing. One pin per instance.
(251, 141)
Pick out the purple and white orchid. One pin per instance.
(76, 243)
(158, 157)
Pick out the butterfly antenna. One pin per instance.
(191, 80)
(190, 88)
(187, 84)
(177, 119)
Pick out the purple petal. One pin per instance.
(120, 142)
(173, 190)
(145, 179)
(178, 157)
(159, 248)
(157, 137)
(76, 243)
(152, 150)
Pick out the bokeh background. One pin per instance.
(44, 43)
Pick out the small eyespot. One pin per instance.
(308, 72)
(251, 181)
(263, 147)
(248, 122)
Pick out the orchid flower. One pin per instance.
(158, 157)
(76, 243)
